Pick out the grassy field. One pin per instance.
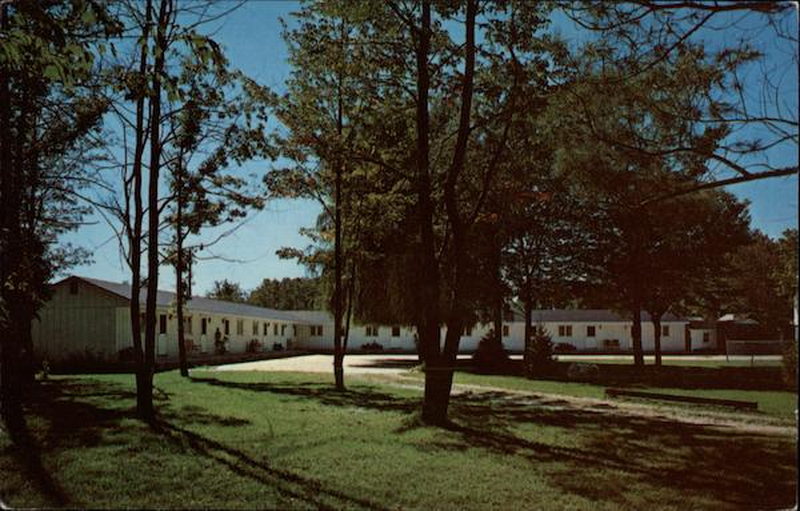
(775, 403)
(289, 441)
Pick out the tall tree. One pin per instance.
(220, 122)
(168, 60)
(49, 111)
(329, 95)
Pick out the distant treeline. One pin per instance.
(285, 294)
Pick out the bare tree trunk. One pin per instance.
(528, 355)
(10, 408)
(152, 206)
(497, 321)
(636, 335)
(349, 314)
(144, 399)
(179, 268)
(655, 318)
(438, 389)
(181, 290)
(338, 352)
(428, 321)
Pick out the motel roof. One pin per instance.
(197, 303)
(586, 316)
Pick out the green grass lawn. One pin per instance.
(289, 441)
(774, 403)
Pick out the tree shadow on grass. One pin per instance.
(81, 413)
(74, 413)
(615, 453)
(611, 456)
(325, 394)
(672, 376)
(25, 449)
(288, 484)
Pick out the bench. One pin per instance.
(735, 403)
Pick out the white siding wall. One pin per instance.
(237, 343)
(675, 341)
(697, 338)
(77, 325)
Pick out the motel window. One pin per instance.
(275, 329)
(706, 337)
(283, 329)
(73, 287)
(395, 331)
(467, 332)
(665, 330)
(162, 324)
(187, 324)
(266, 328)
(227, 324)
(565, 330)
(590, 331)
(239, 327)
(255, 327)
(203, 326)
(371, 331)
(319, 329)
(505, 330)
(294, 330)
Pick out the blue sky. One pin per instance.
(252, 38)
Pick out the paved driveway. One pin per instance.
(353, 364)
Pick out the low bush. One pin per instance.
(254, 346)
(583, 372)
(490, 356)
(564, 347)
(539, 357)
(126, 354)
(372, 346)
(276, 346)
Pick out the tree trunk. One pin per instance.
(528, 354)
(428, 320)
(438, 390)
(349, 314)
(338, 352)
(497, 322)
(656, 320)
(636, 335)
(10, 408)
(27, 373)
(181, 291)
(179, 269)
(144, 399)
(152, 206)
